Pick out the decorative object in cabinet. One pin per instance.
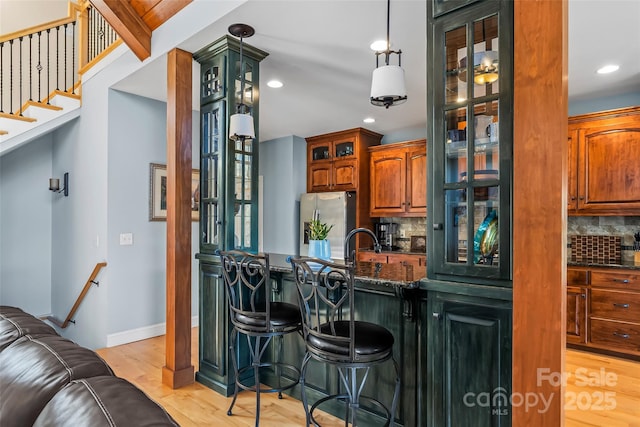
(604, 149)
(399, 179)
(339, 161)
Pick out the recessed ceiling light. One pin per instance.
(369, 120)
(608, 69)
(274, 83)
(379, 45)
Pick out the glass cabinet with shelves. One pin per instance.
(228, 169)
(471, 190)
(229, 195)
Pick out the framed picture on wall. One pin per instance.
(158, 193)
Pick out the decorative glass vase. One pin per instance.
(320, 249)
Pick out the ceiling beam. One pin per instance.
(129, 26)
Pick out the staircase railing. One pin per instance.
(83, 293)
(38, 62)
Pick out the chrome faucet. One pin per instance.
(349, 256)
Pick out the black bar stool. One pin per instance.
(253, 314)
(332, 335)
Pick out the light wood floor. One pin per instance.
(595, 383)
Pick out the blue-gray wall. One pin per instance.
(283, 168)
(25, 226)
(137, 273)
(605, 103)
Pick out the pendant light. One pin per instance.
(387, 84)
(241, 123)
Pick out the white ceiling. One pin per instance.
(320, 50)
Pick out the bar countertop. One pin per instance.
(629, 265)
(389, 275)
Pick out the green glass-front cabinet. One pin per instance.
(469, 280)
(228, 194)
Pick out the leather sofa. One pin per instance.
(48, 380)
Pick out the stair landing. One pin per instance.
(37, 119)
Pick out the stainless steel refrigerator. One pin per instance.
(337, 208)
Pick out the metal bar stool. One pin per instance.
(332, 335)
(253, 314)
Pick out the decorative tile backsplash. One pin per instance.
(599, 249)
(622, 227)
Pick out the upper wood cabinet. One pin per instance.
(399, 179)
(603, 172)
(339, 161)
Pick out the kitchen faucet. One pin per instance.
(350, 256)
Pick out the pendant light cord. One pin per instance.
(386, 56)
(241, 105)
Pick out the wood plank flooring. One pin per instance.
(196, 405)
(595, 383)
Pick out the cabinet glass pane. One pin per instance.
(242, 222)
(455, 227)
(210, 174)
(243, 169)
(211, 81)
(320, 153)
(247, 98)
(456, 145)
(486, 150)
(211, 233)
(485, 57)
(344, 149)
(455, 60)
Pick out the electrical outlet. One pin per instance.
(126, 239)
(402, 233)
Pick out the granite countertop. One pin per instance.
(596, 263)
(396, 275)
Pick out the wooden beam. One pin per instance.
(540, 153)
(129, 26)
(178, 370)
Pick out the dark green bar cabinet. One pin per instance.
(228, 194)
(469, 282)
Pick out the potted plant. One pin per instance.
(318, 243)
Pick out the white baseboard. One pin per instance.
(125, 337)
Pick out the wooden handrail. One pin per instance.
(87, 285)
(74, 9)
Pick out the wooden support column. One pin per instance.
(178, 370)
(539, 210)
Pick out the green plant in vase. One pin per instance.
(318, 244)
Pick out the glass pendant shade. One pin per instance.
(388, 86)
(241, 126)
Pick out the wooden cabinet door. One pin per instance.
(608, 168)
(469, 353)
(417, 182)
(344, 175)
(372, 257)
(576, 315)
(319, 177)
(572, 171)
(388, 174)
(405, 259)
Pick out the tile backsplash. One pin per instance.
(622, 227)
(599, 249)
(410, 227)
